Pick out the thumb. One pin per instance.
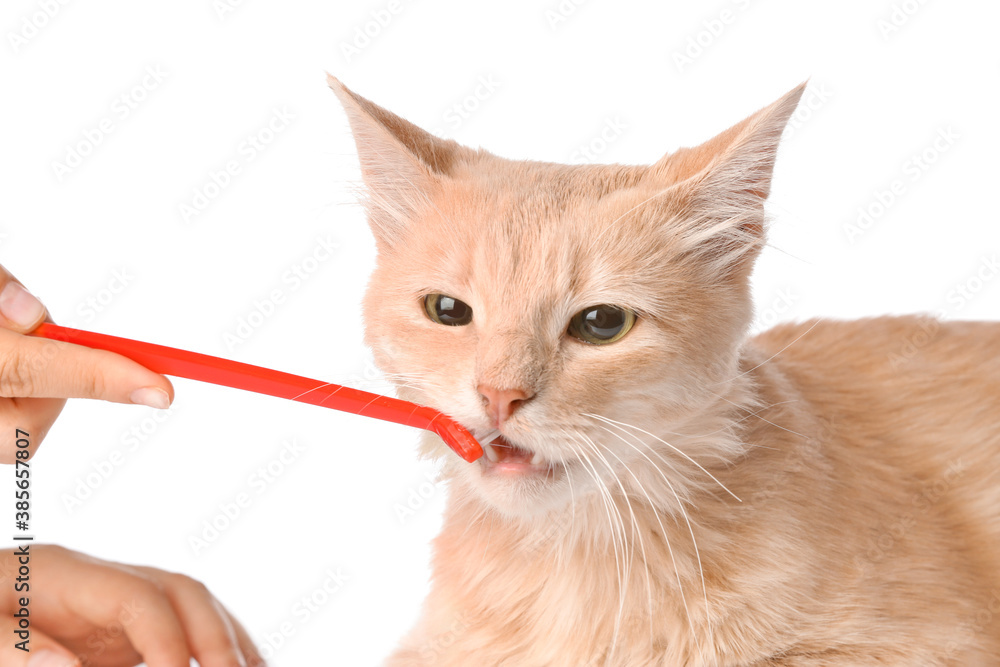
(42, 650)
(33, 367)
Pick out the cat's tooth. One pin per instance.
(536, 459)
(491, 453)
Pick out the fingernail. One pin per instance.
(154, 397)
(46, 658)
(20, 306)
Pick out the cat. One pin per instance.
(667, 491)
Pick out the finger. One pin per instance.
(43, 651)
(110, 614)
(20, 310)
(246, 644)
(33, 367)
(106, 595)
(141, 608)
(33, 416)
(210, 633)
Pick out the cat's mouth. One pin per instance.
(502, 457)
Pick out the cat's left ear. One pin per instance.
(401, 164)
(722, 185)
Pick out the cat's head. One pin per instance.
(586, 311)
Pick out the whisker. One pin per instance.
(317, 388)
(572, 502)
(477, 519)
(733, 423)
(623, 587)
(661, 440)
(489, 540)
(649, 589)
(617, 538)
(687, 521)
(757, 415)
(797, 338)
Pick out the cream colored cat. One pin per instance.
(666, 491)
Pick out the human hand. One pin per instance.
(86, 611)
(38, 375)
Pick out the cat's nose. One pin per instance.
(501, 403)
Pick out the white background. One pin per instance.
(881, 94)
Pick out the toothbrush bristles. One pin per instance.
(488, 437)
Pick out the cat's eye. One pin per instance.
(601, 324)
(447, 310)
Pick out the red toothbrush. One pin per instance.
(228, 373)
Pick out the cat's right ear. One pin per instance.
(401, 164)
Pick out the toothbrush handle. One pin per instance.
(228, 373)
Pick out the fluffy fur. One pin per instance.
(825, 494)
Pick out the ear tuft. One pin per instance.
(724, 183)
(401, 164)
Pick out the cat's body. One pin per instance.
(825, 494)
(870, 539)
